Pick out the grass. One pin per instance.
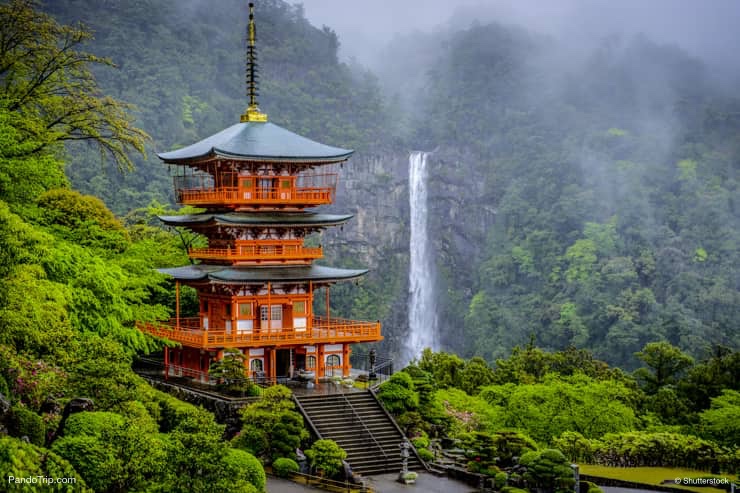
(655, 475)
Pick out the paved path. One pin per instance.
(384, 483)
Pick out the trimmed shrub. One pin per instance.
(326, 456)
(284, 467)
(425, 454)
(242, 465)
(24, 422)
(420, 442)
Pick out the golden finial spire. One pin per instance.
(253, 113)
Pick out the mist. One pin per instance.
(707, 30)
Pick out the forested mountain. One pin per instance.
(183, 65)
(588, 199)
(598, 196)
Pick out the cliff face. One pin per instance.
(375, 188)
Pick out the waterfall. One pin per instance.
(422, 315)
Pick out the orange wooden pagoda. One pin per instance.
(256, 280)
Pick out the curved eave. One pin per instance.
(215, 153)
(233, 275)
(262, 219)
(260, 142)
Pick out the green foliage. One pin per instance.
(23, 460)
(474, 375)
(326, 457)
(284, 467)
(444, 367)
(112, 454)
(230, 371)
(425, 454)
(558, 404)
(397, 394)
(242, 468)
(272, 428)
(92, 423)
(548, 469)
(721, 421)
(575, 446)
(24, 422)
(51, 84)
(665, 363)
(635, 449)
(82, 219)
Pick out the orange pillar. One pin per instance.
(320, 366)
(273, 364)
(346, 351)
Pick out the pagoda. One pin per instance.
(256, 280)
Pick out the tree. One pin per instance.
(548, 470)
(49, 84)
(326, 457)
(722, 420)
(272, 428)
(230, 371)
(665, 363)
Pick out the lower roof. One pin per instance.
(260, 275)
(281, 219)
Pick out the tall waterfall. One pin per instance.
(422, 314)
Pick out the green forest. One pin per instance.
(585, 224)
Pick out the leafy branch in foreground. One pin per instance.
(49, 85)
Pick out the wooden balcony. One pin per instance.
(259, 254)
(297, 198)
(322, 330)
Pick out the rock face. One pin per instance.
(375, 188)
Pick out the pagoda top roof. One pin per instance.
(257, 141)
(234, 275)
(284, 219)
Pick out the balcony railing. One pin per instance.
(322, 330)
(272, 196)
(259, 254)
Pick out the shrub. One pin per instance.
(591, 487)
(284, 467)
(24, 422)
(398, 395)
(326, 456)
(500, 480)
(425, 454)
(420, 442)
(243, 466)
(92, 423)
(548, 469)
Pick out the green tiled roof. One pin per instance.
(285, 219)
(262, 141)
(261, 275)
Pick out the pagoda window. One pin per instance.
(333, 360)
(244, 322)
(247, 188)
(271, 317)
(266, 188)
(299, 315)
(311, 363)
(256, 365)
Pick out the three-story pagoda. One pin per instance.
(256, 280)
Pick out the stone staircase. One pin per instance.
(362, 427)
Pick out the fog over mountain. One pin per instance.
(704, 29)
